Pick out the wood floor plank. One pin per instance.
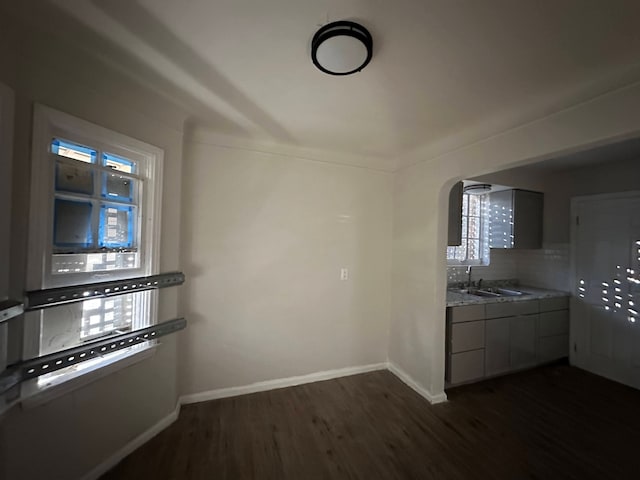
(555, 422)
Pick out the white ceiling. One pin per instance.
(441, 69)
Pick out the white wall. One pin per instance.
(265, 237)
(420, 211)
(68, 436)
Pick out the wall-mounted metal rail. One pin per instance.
(39, 299)
(10, 309)
(56, 361)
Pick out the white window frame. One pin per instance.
(48, 124)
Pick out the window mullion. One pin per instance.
(95, 212)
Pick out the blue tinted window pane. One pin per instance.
(116, 226)
(70, 178)
(73, 150)
(117, 187)
(120, 164)
(72, 224)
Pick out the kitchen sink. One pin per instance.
(484, 293)
(497, 292)
(507, 292)
(492, 292)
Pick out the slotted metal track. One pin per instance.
(41, 299)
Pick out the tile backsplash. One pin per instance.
(503, 265)
(547, 267)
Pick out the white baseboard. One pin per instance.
(404, 376)
(133, 445)
(279, 383)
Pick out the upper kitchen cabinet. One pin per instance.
(516, 219)
(455, 215)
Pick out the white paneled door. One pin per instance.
(605, 325)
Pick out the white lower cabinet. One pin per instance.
(510, 336)
(553, 336)
(467, 336)
(466, 366)
(510, 344)
(522, 341)
(497, 346)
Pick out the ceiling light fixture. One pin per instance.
(477, 188)
(341, 48)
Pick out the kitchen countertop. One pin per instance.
(455, 299)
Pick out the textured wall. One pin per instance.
(265, 237)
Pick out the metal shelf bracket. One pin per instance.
(39, 299)
(56, 361)
(10, 309)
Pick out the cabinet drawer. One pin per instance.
(465, 313)
(553, 323)
(467, 336)
(466, 366)
(553, 348)
(551, 304)
(511, 309)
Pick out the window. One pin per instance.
(95, 198)
(474, 249)
(95, 217)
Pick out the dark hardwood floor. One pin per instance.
(555, 422)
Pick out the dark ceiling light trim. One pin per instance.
(477, 188)
(341, 28)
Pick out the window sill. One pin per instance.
(46, 388)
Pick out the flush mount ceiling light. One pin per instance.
(477, 188)
(341, 48)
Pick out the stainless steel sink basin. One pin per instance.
(497, 292)
(484, 293)
(507, 292)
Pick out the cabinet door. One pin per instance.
(497, 358)
(501, 219)
(455, 215)
(466, 366)
(527, 224)
(522, 341)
